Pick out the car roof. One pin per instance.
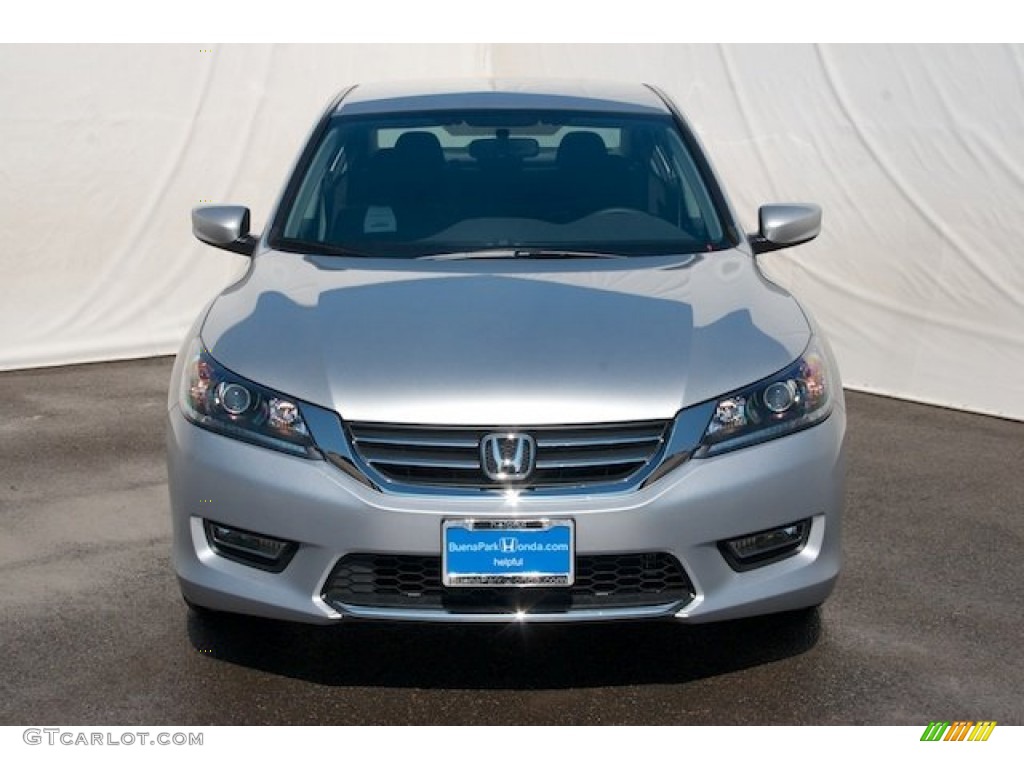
(501, 93)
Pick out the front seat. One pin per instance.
(588, 177)
(411, 180)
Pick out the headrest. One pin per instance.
(580, 148)
(419, 147)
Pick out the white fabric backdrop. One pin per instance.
(915, 152)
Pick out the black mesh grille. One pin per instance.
(414, 582)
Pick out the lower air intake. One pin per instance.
(413, 582)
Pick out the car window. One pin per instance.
(418, 184)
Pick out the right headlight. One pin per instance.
(214, 398)
(797, 397)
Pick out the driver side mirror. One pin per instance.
(785, 225)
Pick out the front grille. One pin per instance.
(413, 582)
(565, 456)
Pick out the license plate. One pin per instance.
(507, 553)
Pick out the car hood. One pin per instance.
(505, 342)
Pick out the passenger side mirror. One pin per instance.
(224, 226)
(785, 225)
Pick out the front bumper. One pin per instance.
(331, 515)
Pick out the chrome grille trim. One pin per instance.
(406, 458)
(581, 442)
(605, 458)
(426, 440)
(600, 457)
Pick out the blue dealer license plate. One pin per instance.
(507, 553)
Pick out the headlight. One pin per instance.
(793, 399)
(216, 399)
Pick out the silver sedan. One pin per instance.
(503, 354)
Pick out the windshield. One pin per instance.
(461, 182)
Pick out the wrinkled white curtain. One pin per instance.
(105, 149)
(916, 154)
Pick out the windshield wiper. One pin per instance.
(520, 253)
(314, 248)
(561, 253)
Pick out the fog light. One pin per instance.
(250, 548)
(764, 547)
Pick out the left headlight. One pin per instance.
(797, 397)
(217, 399)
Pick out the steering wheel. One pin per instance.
(613, 211)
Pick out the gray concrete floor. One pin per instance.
(926, 622)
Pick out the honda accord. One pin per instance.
(503, 353)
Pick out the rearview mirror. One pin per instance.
(224, 226)
(785, 225)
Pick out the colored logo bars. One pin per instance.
(960, 730)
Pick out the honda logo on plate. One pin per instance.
(507, 455)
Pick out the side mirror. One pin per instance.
(785, 225)
(224, 226)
